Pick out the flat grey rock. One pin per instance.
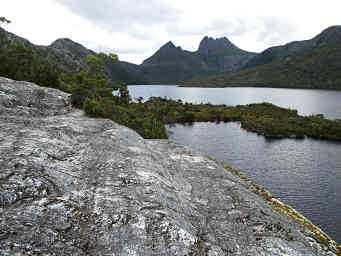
(73, 185)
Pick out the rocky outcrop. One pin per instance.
(223, 54)
(71, 47)
(72, 185)
(220, 46)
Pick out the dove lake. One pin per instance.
(305, 174)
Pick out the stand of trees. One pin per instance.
(20, 63)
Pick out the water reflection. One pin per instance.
(303, 173)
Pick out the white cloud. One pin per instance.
(135, 29)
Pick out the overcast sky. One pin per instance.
(135, 29)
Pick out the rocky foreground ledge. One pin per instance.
(72, 185)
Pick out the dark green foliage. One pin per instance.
(93, 107)
(265, 118)
(93, 93)
(20, 63)
(83, 87)
(113, 57)
(124, 98)
(95, 64)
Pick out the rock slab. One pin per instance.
(72, 185)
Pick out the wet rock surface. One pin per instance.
(71, 185)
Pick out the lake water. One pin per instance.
(307, 102)
(305, 174)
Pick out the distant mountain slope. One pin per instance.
(68, 55)
(65, 53)
(223, 55)
(171, 64)
(329, 35)
(313, 63)
(126, 72)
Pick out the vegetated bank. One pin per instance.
(263, 118)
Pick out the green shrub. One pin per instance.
(93, 108)
(20, 63)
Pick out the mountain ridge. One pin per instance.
(219, 60)
(173, 64)
(314, 63)
(168, 65)
(277, 52)
(69, 55)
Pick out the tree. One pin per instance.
(20, 63)
(4, 20)
(95, 64)
(113, 57)
(125, 98)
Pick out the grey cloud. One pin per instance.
(242, 27)
(268, 30)
(136, 17)
(276, 31)
(122, 50)
(219, 27)
(142, 20)
(124, 16)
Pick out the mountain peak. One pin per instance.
(329, 35)
(169, 45)
(220, 46)
(66, 44)
(336, 28)
(221, 39)
(170, 48)
(166, 53)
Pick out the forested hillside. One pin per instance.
(316, 67)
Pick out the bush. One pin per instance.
(20, 63)
(93, 108)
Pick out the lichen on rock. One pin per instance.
(73, 185)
